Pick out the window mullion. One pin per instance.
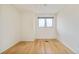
(45, 23)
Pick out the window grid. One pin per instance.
(45, 22)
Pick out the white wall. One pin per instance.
(45, 33)
(30, 29)
(9, 26)
(68, 27)
(28, 26)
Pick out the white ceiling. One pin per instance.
(40, 8)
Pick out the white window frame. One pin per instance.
(45, 22)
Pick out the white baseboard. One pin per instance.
(67, 46)
(46, 38)
(9, 47)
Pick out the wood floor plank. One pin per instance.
(39, 46)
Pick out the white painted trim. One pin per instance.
(9, 47)
(67, 46)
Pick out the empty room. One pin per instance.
(39, 28)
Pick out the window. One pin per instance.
(41, 22)
(49, 22)
(45, 21)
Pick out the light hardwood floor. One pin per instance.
(39, 46)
